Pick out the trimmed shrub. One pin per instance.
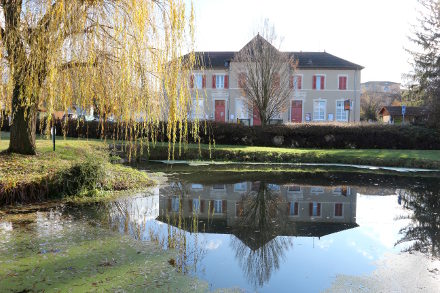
(306, 135)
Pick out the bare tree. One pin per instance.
(267, 75)
(370, 106)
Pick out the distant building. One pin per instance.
(413, 115)
(385, 87)
(385, 93)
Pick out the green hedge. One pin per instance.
(325, 136)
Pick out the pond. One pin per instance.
(248, 228)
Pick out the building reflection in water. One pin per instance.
(262, 217)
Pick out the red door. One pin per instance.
(256, 116)
(220, 111)
(296, 112)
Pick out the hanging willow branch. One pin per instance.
(121, 57)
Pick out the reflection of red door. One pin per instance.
(220, 111)
(256, 116)
(296, 111)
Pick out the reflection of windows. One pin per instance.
(293, 210)
(273, 187)
(196, 205)
(218, 206)
(294, 188)
(338, 209)
(175, 204)
(218, 187)
(315, 209)
(240, 187)
(343, 190)
(196, 186)
(337, 191)
(317, 189)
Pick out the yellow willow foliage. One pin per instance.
(121, 58)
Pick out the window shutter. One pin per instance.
(314, 82)
(241, 80)
(295, 209)
(299, 82)
(318, 213)
(311, 209)
(202, 205)
(345, 83)
(224, 205)
(322, 82)
(204, 81)
(277, 81)
(191, 81)
(340, 83)
(291, 81)
(226, 81)
(190, 205)
(213, 81)
(288, 208)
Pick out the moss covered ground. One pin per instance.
(43, 252)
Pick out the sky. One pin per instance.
(371, 33)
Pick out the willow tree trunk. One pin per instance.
(23, 128)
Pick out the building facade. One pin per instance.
(320, 85)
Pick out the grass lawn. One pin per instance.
(391, 158)
(19, 173)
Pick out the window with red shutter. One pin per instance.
(338, 209)
(314, 82)
(322, 82)
(204, 81)
(342, 83)
(226, 81)
(191, 81)
(291, 81)
(213, 81)
(298, 82)
(277, 80)
(241, 80)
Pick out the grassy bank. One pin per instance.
(429, 159)
(77, 167)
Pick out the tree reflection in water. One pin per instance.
(262, 216)
(137, 218)
(423, 233)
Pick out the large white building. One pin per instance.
(322, 83)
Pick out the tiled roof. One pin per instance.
(306, 60)
(410, 111)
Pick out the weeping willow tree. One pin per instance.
(121, 57)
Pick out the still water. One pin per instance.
(272, 230)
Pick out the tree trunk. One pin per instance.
(24, 126)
